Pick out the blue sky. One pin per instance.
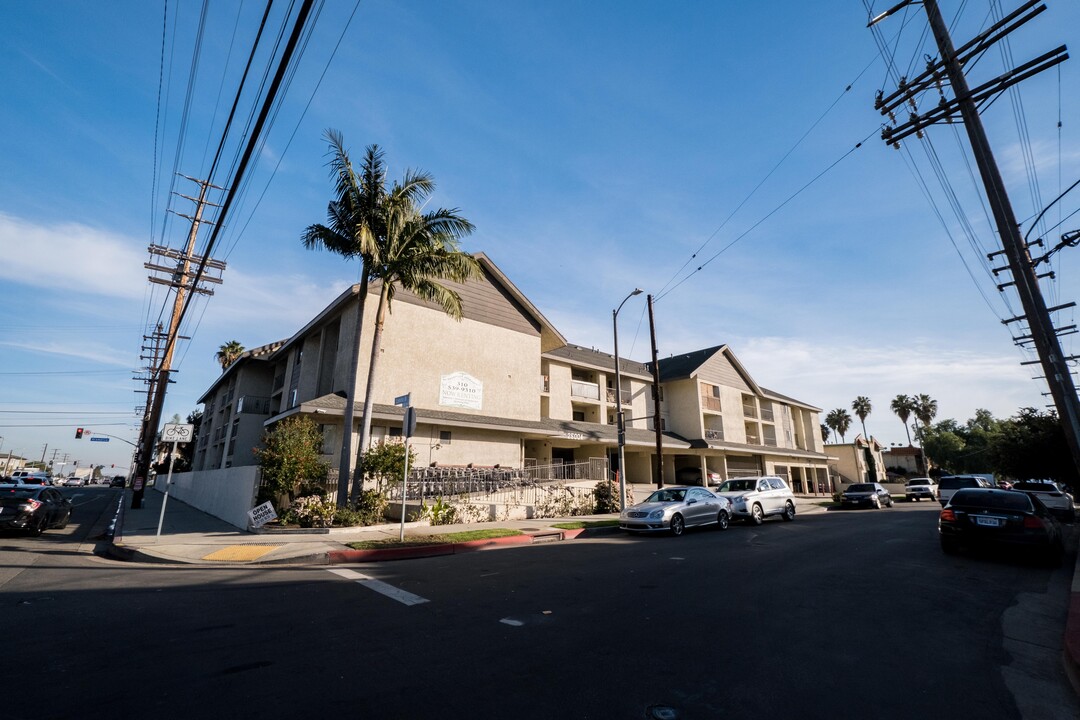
(596, 147)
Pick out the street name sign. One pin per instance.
(99, 439)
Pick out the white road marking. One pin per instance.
(402, 596)
(511, 622)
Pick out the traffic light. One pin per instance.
(78, 433)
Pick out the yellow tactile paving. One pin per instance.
(240, 553)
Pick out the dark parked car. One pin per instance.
(986, 517)
(866, 495)
(33, 508)
(118, 481)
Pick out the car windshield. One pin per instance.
(952, 483)
(738, 485)
(666, 496)
(861, 487)
(995, 500)
(1035, 486)
(919, 481)
(20, 491)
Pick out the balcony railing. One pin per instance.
(708, 402)
(586, 390)
(769, 436)
(625, 396)
(279, 381)
(749, 410)
(714, 433)
(752, 438)
(766, 413)
(253, 405)
(545, 383)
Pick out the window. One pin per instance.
(579, 416)
(776, 483)
(395, 432)
(444, 437)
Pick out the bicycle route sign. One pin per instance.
(173, 432)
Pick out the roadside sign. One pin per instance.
(402, 400)
(262, 514)
(99, 439)
(173, 432)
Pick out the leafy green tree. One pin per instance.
(861, 406)
(945, 445)
(228, 353)
(384, 462)
(903, 406)
(840, 422)
(355, 225)
(1032, 444)
(418, 251)
(824, 433)
(290, 456)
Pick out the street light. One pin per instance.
(618, 403)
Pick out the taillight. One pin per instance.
(1033, 523)
(31, 505)
(948, 515)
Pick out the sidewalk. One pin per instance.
(190, 536)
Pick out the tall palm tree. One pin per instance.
(839, 421)
(925, 410)
(228, 353)
(419, 249)
(353, 229)
(861, 406)
(903, 406)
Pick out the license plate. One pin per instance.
(988, 521)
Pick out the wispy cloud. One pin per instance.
(70, 255)
(97, 354)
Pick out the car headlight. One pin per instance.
(656, 514)
(737, 499)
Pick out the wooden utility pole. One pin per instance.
(1043, 334)
(656, 400)
(181, 278)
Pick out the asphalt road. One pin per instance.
(853, 614)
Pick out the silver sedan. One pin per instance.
(673, 509)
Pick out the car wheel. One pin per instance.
(877, 503)
(757, 516)
(723, 521)
(789, 512)
(678, 526)
(39, 526)
(889, 504)
(948, 546)
(64, 524)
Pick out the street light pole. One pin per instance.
(618, 402)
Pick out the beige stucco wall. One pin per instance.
(681, 409)
(482, 448)
(420, 345)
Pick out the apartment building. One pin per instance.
(502, 387)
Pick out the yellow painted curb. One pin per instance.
(240, 553)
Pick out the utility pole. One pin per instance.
(656, 399)
(1043, 334)
(181, 279)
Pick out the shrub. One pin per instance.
(370, 507)
(290, 455)
(606, 497)
(561, 501)
(314, 511)
(440, 512)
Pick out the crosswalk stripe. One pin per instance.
(402, 596)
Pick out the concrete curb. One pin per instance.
(337, 557)
(1070, 653)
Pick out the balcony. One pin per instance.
(714, 434)
(611, 396)
(279, 381)
(749, 410)
(710, 403)
(769, 436)
(767, 413)
(253, 405)
(584, 390)
(545, 384)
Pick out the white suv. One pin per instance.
(755, 498)
(918, 488)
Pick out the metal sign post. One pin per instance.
(178, 434)
(408, 425)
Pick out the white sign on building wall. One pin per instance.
(461, 390)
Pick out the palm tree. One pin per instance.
(418, 250)
(925, 410)
(354, 226)
(824, 432)
(839, 421)
(903, 406)
(228, 353)
(861, 406)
